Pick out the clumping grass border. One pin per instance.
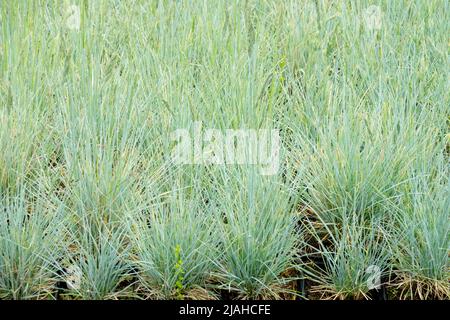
(93, 207)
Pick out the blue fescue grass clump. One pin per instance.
(92, 206)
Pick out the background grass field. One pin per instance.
(92, 207)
